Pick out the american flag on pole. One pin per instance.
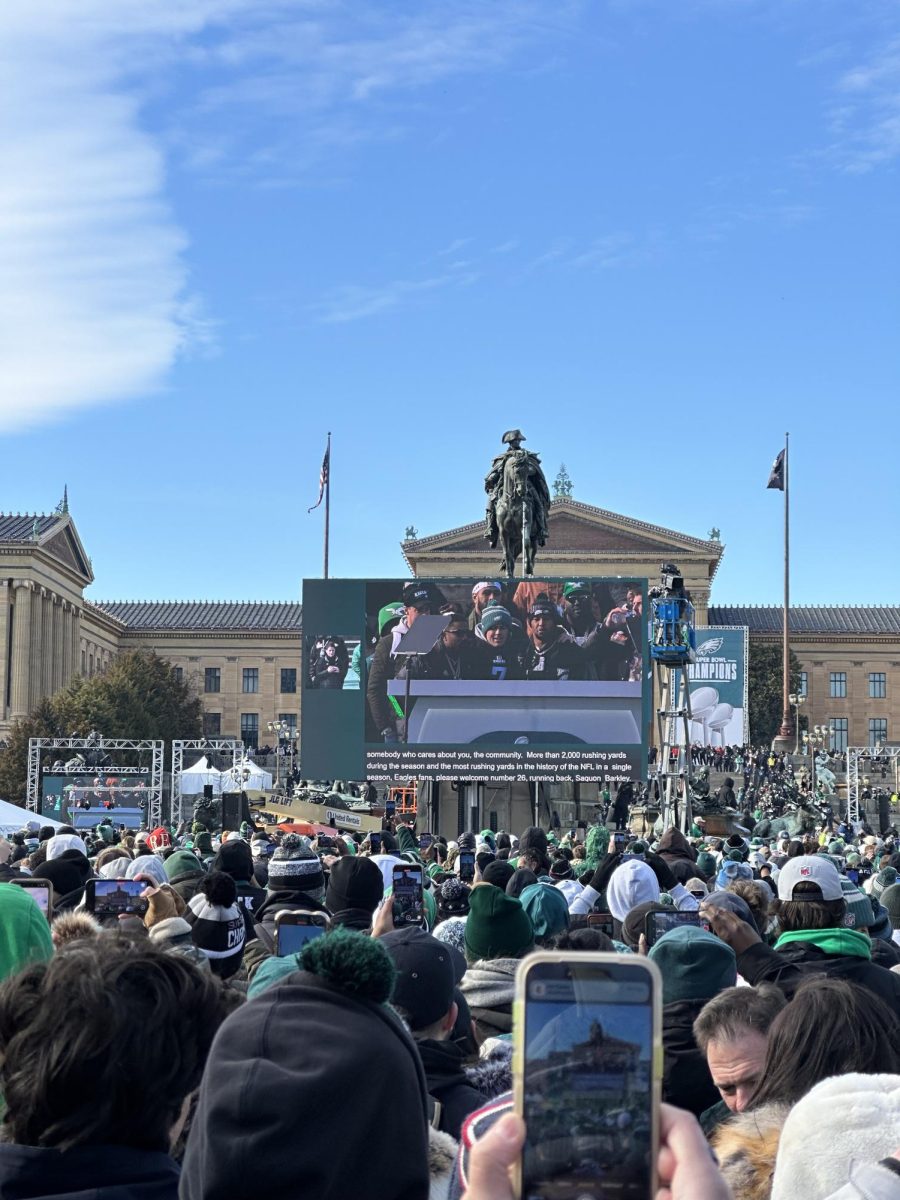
(323, 479)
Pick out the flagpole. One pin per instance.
(327, 500)
(787, 720)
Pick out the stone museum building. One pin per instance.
(244, 659)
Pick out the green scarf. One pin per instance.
(847, 942)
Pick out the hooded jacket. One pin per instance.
(448, 1084)
(24, 931)
(282, 1115)
(674, 847)
(97, 1172)
(687, 1082)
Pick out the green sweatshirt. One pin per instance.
(24, 931)
(848, 943)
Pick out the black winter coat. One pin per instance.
(98, 1172)
(687, 1082)
(788, 968)
(448, 1084)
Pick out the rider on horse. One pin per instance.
(537, 486)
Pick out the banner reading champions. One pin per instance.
(718, 684)
(549, 687)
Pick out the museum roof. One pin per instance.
(203, 614)
(19, 527)
(817, 619)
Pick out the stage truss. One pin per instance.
(854, 754)
(232, 746)
(96, 743)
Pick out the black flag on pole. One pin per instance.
(323, 480)
(776, 476)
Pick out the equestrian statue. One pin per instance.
(518, 509)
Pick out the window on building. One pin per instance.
(212, 724)
(837, 685)
(251, 679)
(91, 665)
(288, 679)
(290, 719)
(877, 731)
(179, 674)
(212, 679)
(83, 661)
(877, 685)
(838, 741)
(803, 688)
(250, 730)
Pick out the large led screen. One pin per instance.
(500, 680)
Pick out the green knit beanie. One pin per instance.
(890, 900)
(706, 864)
(695, 965)
(181, 865)
(497, 925)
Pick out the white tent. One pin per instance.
(257, 781)
(13, 818)
(194, 779)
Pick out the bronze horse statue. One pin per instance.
(516, 514)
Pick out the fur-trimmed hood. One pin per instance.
(72, 926)
(492, 1075)
(441, 1158)
(747, 1145)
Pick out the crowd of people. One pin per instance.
(170, 1050)
(544, 632)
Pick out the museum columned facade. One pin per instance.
(244, 659)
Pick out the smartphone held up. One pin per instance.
(587, 1075)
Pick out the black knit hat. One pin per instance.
(354, 883)
(452, 899)
(519, 880)
(498, 873)
(295, 867)
(217, 923)
(235, 858)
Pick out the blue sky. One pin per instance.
(654, 235)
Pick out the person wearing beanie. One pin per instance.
(883, 879)
(68, 873)
(533, 850)
(217, 924)
(521, 878)
(259, 1067)
(549, 912)
(24, 931)
(355, 889)
(695, 966)
(296, 884)
(706, 865)
(453, 899)
(498, 873)
(498, 933)
(732, 870)
(184, 872)
(236, 860)
(147, 866)
(815, 940)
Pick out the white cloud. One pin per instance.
(353, 302)
(867, 121)
(94, 306)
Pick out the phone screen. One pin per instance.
(375, 843)
(621, 839)
(409, 905)
(39, 892)
(588, 1082)
(425, 840)
(658, 923)
(390, 808)
(602, 921)
(115, 897)
(290, 939)
(467, 865)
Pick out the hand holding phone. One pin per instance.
(40, 891)
(409, 895)
(293, 930)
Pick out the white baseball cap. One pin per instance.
(810, 868)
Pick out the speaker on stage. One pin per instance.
(207, 791)
(231, 810)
